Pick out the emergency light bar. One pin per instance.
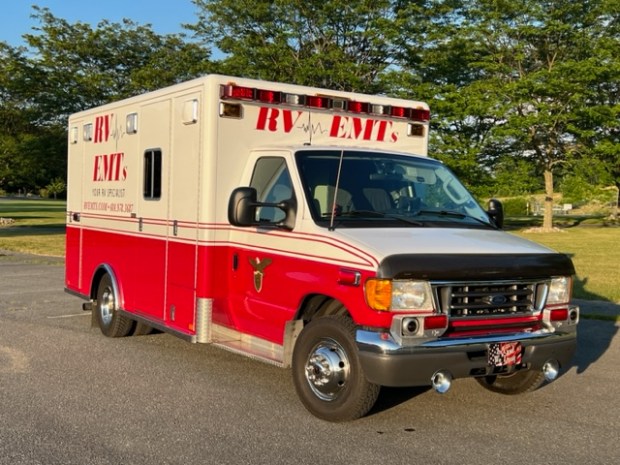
(234, 92)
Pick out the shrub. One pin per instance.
(515, 206)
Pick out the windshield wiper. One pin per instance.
(454, 214)
(376, 214)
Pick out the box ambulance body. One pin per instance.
(306, 228)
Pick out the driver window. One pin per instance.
(272, 182)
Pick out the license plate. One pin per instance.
(505, 354)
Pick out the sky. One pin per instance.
(165, 16)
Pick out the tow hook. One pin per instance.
(551, 370)
(441, 381)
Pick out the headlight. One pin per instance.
(559, 290)
(398, 295)
(411, 295)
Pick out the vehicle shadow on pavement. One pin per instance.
(594, 338)
(391, 397)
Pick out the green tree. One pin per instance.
(56, 186)
(515, 176)
(516, 78)
(78, 66)
(322, 43)
(30, 153)
(68, 67)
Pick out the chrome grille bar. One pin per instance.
(493, 299)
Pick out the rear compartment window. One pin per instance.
(152, 174)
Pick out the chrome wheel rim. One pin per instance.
(327, 370)
(107, 306)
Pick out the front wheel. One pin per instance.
(516, 383)
(327, 373)
(110, 321)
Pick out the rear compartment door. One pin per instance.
(147, 277)
(76, 177)
(183, 212)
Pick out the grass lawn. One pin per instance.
(39, 228)
(595, 252)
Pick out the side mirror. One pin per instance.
(289, 207)
(496, 212)
(242, 207)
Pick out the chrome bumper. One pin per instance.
(388, 363)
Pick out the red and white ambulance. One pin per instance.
(307, 228)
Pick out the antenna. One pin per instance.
(331, 222)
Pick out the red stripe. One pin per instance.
(162, 279)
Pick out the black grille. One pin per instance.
(487, 299)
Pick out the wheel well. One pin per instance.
(102, 270)
(318, 305)
(313, 306)
(94, 284)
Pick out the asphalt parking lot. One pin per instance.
(69, 395)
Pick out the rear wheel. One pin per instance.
(110, 321)
(142, 329)
(327, 372)
(516, 383)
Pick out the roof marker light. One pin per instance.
(399, 112)
(238, 92)
(420, 114)
(377, 109)
(234, 92)
(340, 104)
(317, 102)
(268, 96)
(358, 107)
(293, 99)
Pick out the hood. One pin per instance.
(385, 242)
(458, 254)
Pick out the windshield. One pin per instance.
(363, 189)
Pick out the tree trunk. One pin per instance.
(548, 215)
(616, 210)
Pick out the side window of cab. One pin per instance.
(272, 181)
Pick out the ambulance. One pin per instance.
(307, 228)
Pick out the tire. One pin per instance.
(516, 383)
(110, 321)
(327, 373)
(142, 329)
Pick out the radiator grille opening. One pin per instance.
(476, 300)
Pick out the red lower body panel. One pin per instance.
(254, 292)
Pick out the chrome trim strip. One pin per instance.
(383, 343)
(204, 320)
(108, 269)
(159, 326)
(443, 290)
(250, 346)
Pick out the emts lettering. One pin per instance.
(110, 167)
(341, 126)
(352, 127)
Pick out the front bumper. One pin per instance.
(387, 363)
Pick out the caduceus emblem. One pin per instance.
(259, 266)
